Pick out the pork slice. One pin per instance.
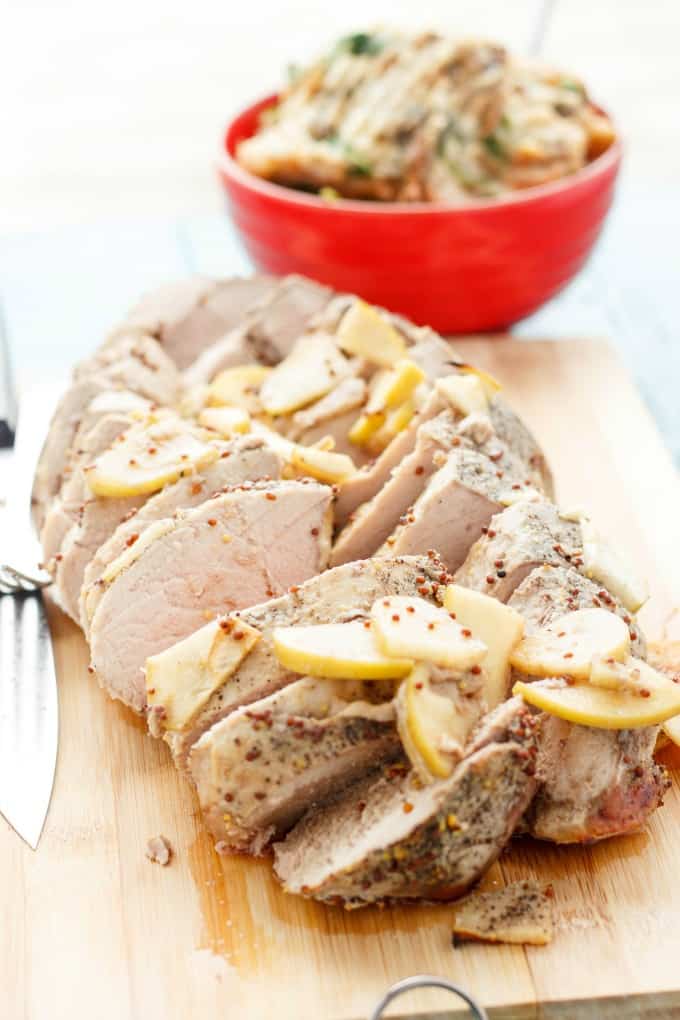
(138, 358)
(520, 538)
(388, 836)
(228, 351)
(234, 550)
(594, 783)
(189, 315)
(511, 430)
(283, 315)
(64, 509)
(336, 596)
(367, 482)
(458, 502)
(376, 520)
(245, 459)
(259, 769)
(127, 374)
(332, 415)
(549, 592)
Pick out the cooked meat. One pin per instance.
(522, 537)
(188, 316)
(247, 544)
(261, 768)
(594, 783)
(459, 500)
(511, 431)
(244, 459)
(137, 360)
(332, 415)
(335, 596)
(420, 117)
(389, 836)
(368, 482)
(64, 509)
(520, 913)
(549, 592)
(160, 384)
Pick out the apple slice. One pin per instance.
(344, 650)
(606, 566)
(365, 427)
(181, 679)
(489, 382)
(416, 629)
(310, 371)
(365, 331)
(611, 675)
(324, 465)
(654, 699)
(389, 389)
(497, 625)
(238, 387)
(465, 393)
(672, 729)
(228, 421)
(568, 645)
(150, 455)
(395, 422)
(430, 727)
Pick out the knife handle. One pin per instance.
(8, 402)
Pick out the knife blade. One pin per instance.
(29, 707)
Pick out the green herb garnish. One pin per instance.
(361, 44)
(494, 147)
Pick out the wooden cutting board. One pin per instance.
(92, 929)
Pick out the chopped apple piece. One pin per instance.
(344, 650)
(239, 387)
(465, 393)
(526, 494)
(180, 679)
(672, 729)
(366, 332)
(416, 629)
(310, 371)
(151, 454)
(226, 420)
(323, 465)
(389, 389)
(568, 645)
(497, 625)
(654, 699)
(395, 422)
(616, 676)
(365, 427)
(431, 729)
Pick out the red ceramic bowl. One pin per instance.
(461, 269)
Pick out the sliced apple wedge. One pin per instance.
(416, 629)
(611, 675)
(150, 455)
(365, 427)
(181, 679)
(344, 650)
(603, 563)
(568, 645)
(228, 421)
(310, 371)
(654, 700)
(465, 393)
(430, 727)
(672, 729)
(497, 625)
(395, 422)
(391, 388)
(489, 382)
(324, 465)
(238, 387)
(366, 332)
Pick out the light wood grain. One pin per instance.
(93, 929)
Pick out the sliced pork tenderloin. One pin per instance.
(139, 358)
(391, 837)
(237, 549)
(259, 769)
(189, 315)
(458, 502)
(517, 540)
(161, 386)
(244, 459)
(593, 783)
(335, 596)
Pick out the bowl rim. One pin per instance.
(227, 165)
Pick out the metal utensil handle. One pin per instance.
(427, 981)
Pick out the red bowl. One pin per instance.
(461, 269)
